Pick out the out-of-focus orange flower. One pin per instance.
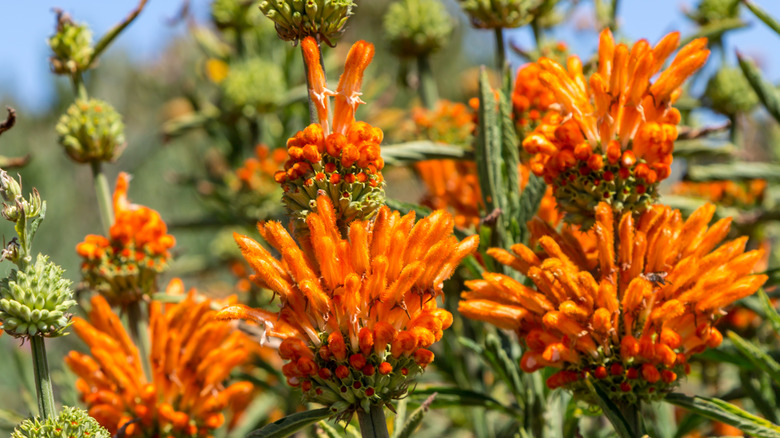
(124, 266)
(257, 173)
(629, 315)
(531, 99)
(451, 123)
(613, 138)
(728, 193)
(359, 307)
(192, 354)
(342, 159)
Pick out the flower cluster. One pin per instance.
(124, 266)
(257, 173)
(359, 309)
(626, 305)
(191, 355)
(729, 193)
(531, 99)
(613, 139)
(70, 423)
(343, 161)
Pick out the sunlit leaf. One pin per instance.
(724, 412)
(765, 89)
(291, 424)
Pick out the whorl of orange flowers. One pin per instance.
(450, 122)
(613, 138)
(192, 354)
(340, 159)
(530, 98)
(124, 266)
(258, 171)
(358, 310)
(729, 193)
(630, 313)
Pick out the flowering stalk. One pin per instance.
(373, 423)
(43, 388)
(500, 48)
(429, 94)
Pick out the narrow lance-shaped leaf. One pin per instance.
(769, 310)
(611, 411)
(762, 15)
(719, 410)
(765, 89)
(290, 424)
(757, 356)
(413, 151)
(414, 419)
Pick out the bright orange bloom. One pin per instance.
(257, 173)
(124, 266)
(613, 139)
(450, 122)
(342, 160)
(192, 354)
(629, 314)
(728, 193)
(358, 307)
(531, 99)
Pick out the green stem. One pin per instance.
(103, 196)
(373, 424)
(500, 48)
(138, 332)
(429, 94)
(633, 415)
(43, 389)
(613, 16)
(78, 86)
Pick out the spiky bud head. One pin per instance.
(35, 301)
(254, 86)
(417, 27)
(298, 19)
(730, 93)
(492, 14)
(71, 47)
(71, 422)
(91, 131)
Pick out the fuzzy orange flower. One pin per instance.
(124, 266)
(343, 160)
(613, 138)
(192, 354)
(257, 173)
(728, 193)
(628, 314)
(359, 307)
(531, 99)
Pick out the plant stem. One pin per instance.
(633, 415)
(138, 332)
(429, 94)
(500, 49)
(78, 86)
(373, 423)
(613, 16)
(103, 196)
(43, 387)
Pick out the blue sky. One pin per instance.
(26, 24)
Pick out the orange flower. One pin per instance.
(613, 139)
(124, 266)
(728, 193)
(531, 99)
(450, 122)
(358, 308)
(257, 173)
(192, 354)
(630, 313)
(342, 160)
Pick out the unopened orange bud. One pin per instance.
(385, 368)
(595, 162)
(349, 155)
(357, 361)
(583, 151)
(650, 373)
(336, 346)
(365, 340)
(403, 342)
(369, 370)
(600, 372)
(668, 376)
(311, 154)
(715, 339)
(384, 333)
(423, 357)
(342, 372)
(613, 152)
(628, 159)
(334, 144)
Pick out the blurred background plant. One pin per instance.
(204, 124)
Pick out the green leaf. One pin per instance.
(763, 15)
(400, 415)
(327, 430)
(735, 171)
(758, 387)
(420, 211)
(700, 148)
(714, 29)
(769, 310)
(503, 365)
(451, 396)
(765, 89)
(529, 204)
(722, 411)
(291, 424)
(757, 356)
(414, 419)
(414, 151)
(256, 412)
(612, 412)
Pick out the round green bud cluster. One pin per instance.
(91, 130)
(417, 27)
(491, 14)
(238, 14)
(730, 93)
(298, 19)
(254, 86)
(14, 203)
(34, 302)
(71, 47)
(71, 422)
(710, 11)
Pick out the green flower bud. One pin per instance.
(91, 131)
(298, 19)
(730, 93)
(710, 11)
(35, 301)
(255, 85)
(9, 187)
(71, 422)
(417, 27)
(71, 46)
(490, 14)
(238, 14)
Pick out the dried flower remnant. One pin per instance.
(359, 308)
(613, 139)
(124, 267)
(192, 354)
(341, 160)
(628, 315)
